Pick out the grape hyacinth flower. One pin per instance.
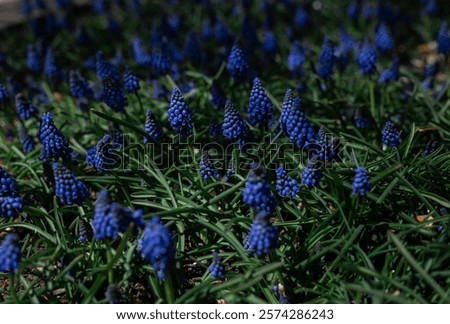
(51, 69)
(270, 45)
(68, 188)
(34, 61)
(216, 268)
(312, 174)
(24, 107)
(260, 108)
(10, 201)
(193, 49)
(141, 57)
(82, 231)
(361, 183)
(347, 40)
(383, 38)
(156, 246)
(79, 87)
(218, 98)
(10, 206)
(8, 185)
(427, 84)
(160, 63)
(296, 59)
(113, 95)
(231, 171)
(432, 145)
(104, 157)
(151, 128)
(326, 60)
(298, 127)
(4, 95)
(301, 17)
(27, 140)
(207, 30)
(367, 58)
(234, 127)
(443, 39)
(326, 147)
(180, 115)
(391, 74)
(10, 253)
(131, 81)
(390, 135)
(353, 10)
(207, 169)
(215, 128)
(286, 185)
(263, 236)
(223, 34)
(238, 64)
(257, 192)
(286, 108)
(55, 145)
(111, 218)
(105, 69)
(113, 294)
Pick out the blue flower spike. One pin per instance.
(263, 236)
(216, 268)
(157, 247)
(260, 108)
(10, 254)
(361, 183)
(180, 115)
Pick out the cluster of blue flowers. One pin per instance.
(163, 62)
(156, 246)
(294, 122)
(180, 115)
(312, 173)
(102, 156)
(390, 135)
(68, 188)
(111, 218)
(361, 183)
(207, 169)
(238, 64)
(259, 108)
(234, 127)
(286, 185)
(10, 201)
(10, 254)
(152, 129)
(263, 236)
(54, 144)
(24, 107)
(216, 268)
(257, 192)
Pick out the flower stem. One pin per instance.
(109, 263)
(373, 108)
(12, 289)
(168, 288)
